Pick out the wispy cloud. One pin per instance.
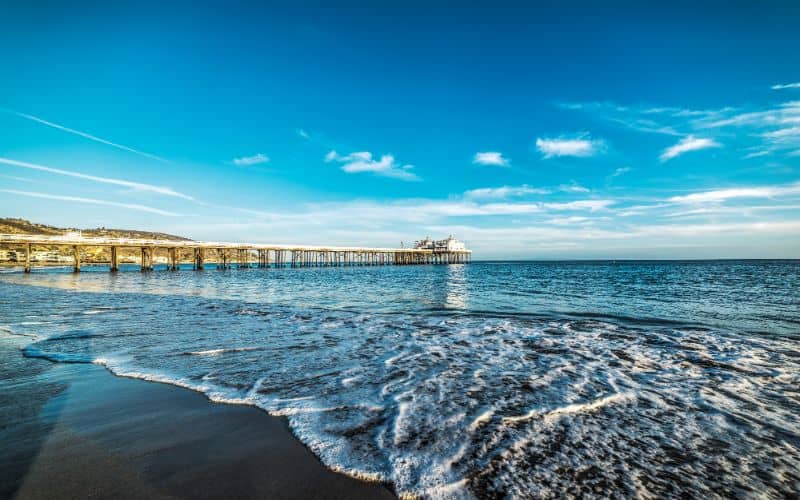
(573, 188)
(251, 160)
(720, 195)
(770, 129)
(92, 201)
(504, 192)
(362, 161)
(648, 119)
(89, 136)
(567, 221)
(490, 158)
(302, 133)
(138, 186)
(581, 147)
(590, 205)
(687, 144)
(783, 86)
(620, 171)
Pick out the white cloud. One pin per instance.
(687, 144)
(302, 133)
(755, 154)
(787, 135)
(138, 186)
(89, 136)
(490, 158)
(251, 160)
(579, 147)
(504, 192)
(77, 199)
(783, 86)
(620, 171)
(362, 161)
(591, 205)
(566, 221)
(645, 233)
(573, 188)
(720, 195)
(786, 112)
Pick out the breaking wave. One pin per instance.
(450, 403)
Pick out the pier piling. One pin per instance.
(28, 258)
(76, 255)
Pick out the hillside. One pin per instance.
(22, 226)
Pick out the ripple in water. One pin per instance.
(448, 402)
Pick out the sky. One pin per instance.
(543, 130)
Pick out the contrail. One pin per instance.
(132, 206)
(87, 136)
(105, 180)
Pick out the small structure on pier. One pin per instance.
(22, 249)
(449, 245)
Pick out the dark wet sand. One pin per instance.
(76, 431)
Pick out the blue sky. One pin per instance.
(550, 130)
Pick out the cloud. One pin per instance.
(784, 86)
(503, 192)
(578, 147)
(687, 144)
(620, 171)
(138, 186)
(771, 126)
(573, 188)
(89, 136)
(490, 158)
(720, 195)
(76, 199)
(251, 160)
(590, 205)
(755, 154)
(362, 161)
(785, 113)
(648, 119)
(646, 233)
(566, 221)
(787, 135)
(302, 133)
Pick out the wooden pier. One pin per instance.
(232, 255)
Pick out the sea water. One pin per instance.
(521, 379)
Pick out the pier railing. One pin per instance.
(227, 255)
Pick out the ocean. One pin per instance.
(519, 379)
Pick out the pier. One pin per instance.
(232, 255)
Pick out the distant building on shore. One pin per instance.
(449, 245)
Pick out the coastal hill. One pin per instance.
(58, 254)
(22, 226)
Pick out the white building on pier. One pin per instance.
(449, 245)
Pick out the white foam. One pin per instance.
(588, 407)
(92, 312)
(217, 352)
(439, 406)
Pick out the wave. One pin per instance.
(449, 403)
(222, 350)
(56, 357)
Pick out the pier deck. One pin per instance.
(227, 255)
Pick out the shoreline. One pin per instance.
(75, 430)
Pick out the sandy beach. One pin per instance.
(76, 431)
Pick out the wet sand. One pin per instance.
(76, 431)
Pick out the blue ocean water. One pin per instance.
(512, 379)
